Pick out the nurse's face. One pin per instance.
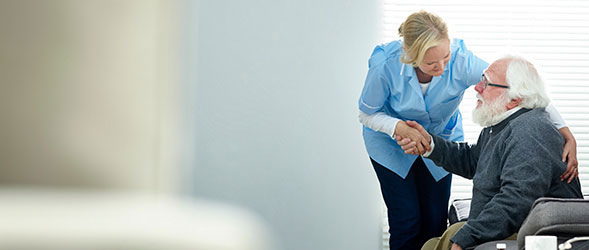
(435, 59)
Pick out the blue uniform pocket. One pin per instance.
(451, 125)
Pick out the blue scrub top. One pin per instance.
(392, 87)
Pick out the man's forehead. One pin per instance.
(489, 73)
(497, 68)
(499, 65)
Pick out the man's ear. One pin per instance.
(513, 103)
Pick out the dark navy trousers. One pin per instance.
(417, 206)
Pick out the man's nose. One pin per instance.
(479, 87)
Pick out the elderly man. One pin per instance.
(516, 159)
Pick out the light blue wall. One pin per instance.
(275, 85)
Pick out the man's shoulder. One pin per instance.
(537, 117)
(534, 123)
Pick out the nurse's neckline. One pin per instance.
(422, 78)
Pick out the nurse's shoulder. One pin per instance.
(387, 53)
(465, 65)
(458, 48)
(463, 55)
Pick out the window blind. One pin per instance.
(554, 35)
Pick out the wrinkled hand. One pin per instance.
(569, 154)
(412, 137)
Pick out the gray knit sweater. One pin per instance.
(513, 163)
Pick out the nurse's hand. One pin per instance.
(456, 247)
(412, 140)
(569, 155)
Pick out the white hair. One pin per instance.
(525, 83)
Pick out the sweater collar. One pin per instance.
(499, 126)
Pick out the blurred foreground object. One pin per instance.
(80, 220)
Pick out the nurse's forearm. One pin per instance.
(556, 117)
(379, 121)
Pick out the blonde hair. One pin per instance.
(421, 31)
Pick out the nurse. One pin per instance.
(421, 78)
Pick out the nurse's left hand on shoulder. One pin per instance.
(456, 246)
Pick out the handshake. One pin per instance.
(412, 137)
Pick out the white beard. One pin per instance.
(489, 114)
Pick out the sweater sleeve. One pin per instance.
(456, 157)
(531, 160)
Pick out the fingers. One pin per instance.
(409, 146)
(420, 145)
(569, 168)
(413, 151)
(413, 148)
(567, 174)
(568, 171)
(404, 142)
(574, 172)
(414, 132)
(405, 131)
(422, 131)
(570, 175)
(419, 128)
(571, 172)
(413, 124)
(570, 157)
(422, 141)
(573, 176)
(426, 146)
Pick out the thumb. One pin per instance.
(413, 124)
(417, 126)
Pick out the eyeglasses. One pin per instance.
(486, 83)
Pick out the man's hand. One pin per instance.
(412, 138)
(418, 126)
(456, 247)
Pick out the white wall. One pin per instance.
(256, 100)
(276, 87)
(88, 94)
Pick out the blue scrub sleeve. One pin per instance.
(375, 92)
(468, 68)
